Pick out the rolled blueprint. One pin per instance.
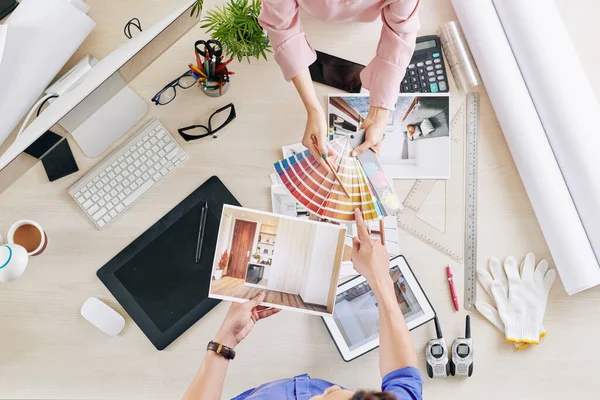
(458, 56)
(563, 98)
(35, 43)
(529, 145)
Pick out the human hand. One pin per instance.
(240, 320)
(316, 126)
(369, 256)
(374, 126)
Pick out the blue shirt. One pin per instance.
(405, 383)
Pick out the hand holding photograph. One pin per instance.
(295, 262)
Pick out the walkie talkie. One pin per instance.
(462, 353)
(437, 354)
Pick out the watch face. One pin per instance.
(462, 350)
(437, 350)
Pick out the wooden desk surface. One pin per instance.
(48, 351)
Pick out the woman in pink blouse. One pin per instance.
(382, 76)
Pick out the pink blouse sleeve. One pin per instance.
(292, 51)
(383, 75)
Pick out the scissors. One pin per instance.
(208, 48)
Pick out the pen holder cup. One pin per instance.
(213, 91)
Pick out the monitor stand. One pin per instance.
(104, 116)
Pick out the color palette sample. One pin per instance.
(314, 186)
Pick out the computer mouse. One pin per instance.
(102, 316)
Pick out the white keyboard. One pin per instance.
(129, 172)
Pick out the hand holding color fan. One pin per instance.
(315, 186)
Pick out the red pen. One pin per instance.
(452, 289)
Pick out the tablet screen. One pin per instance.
(356, 314)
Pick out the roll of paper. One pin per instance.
(563, 98)
(533, 155)
(39, 38)
(458, 56)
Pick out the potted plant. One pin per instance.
(256, 257)
(236, 26)
(221, 266)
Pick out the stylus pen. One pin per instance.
(201, 232)
(452, 289)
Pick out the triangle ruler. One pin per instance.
(433, 208)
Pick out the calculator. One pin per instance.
(426, 72)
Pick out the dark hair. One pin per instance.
(362, 395)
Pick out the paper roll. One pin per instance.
(563, 98)
(529, 145)
(458, 56)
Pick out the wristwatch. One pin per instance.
(226, 352)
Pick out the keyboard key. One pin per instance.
(106, 188)
(428, 62)
(101, 193)
(429, 68)
(106, 218)
(90, 184)
(421, 70)
(127, 191)
(439, 72)
(112, 213)
(119, 178)
(138, 193)
(443, 86)
(113, 192)
(161, 133)
(411, 66)
(93, 209)
(137, 173)
(157, 129)
(153, 140)
(119, 207)
(157, 177)
(431, 73)
(433, 87)
(87, 195)
(438, 66)
(172, 154)
(101, 223)
(419, 64)
(101, 202)
(122, 195)
(80, 198)
(414, 86)
(115, 201)
(437, 61)
(164, 171)
(169, 146)
(95, 197)
(441, 78)
(134, 186)
(431, 79)
(87, 204)
(435, 55)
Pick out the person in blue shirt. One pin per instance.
(397, 356)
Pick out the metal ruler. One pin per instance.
(470, 284)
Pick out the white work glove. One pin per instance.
(522, 308)
(527, 284)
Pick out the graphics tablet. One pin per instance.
(156, 278)
(354, 326)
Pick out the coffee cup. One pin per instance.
(13, 261)
(28, 234)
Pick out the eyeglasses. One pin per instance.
(217, 121)
(168, 93)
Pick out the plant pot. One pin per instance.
(218, 274)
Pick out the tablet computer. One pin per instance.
(354, 326)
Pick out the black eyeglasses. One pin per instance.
(217, 121)
(168, 93)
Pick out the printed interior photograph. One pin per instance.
(295, 262)
(417, 135)
(356, 313)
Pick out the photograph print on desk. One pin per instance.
(295, 262)
(417, 136)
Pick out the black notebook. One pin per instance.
(156, 278)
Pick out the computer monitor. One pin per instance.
(104, 82)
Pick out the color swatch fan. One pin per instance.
(314, 185)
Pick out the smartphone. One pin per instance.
(336, 72)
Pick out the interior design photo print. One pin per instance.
(295, 262)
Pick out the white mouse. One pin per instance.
(102, 316)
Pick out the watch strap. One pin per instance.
(227, 352)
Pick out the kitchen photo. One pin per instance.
(416, 144)
(295, 262)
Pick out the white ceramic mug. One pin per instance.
(13, 261)
(43, 242)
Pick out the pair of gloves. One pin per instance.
(520, 295)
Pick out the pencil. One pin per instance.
(382, 231)
(337, 178)
(197, 70)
